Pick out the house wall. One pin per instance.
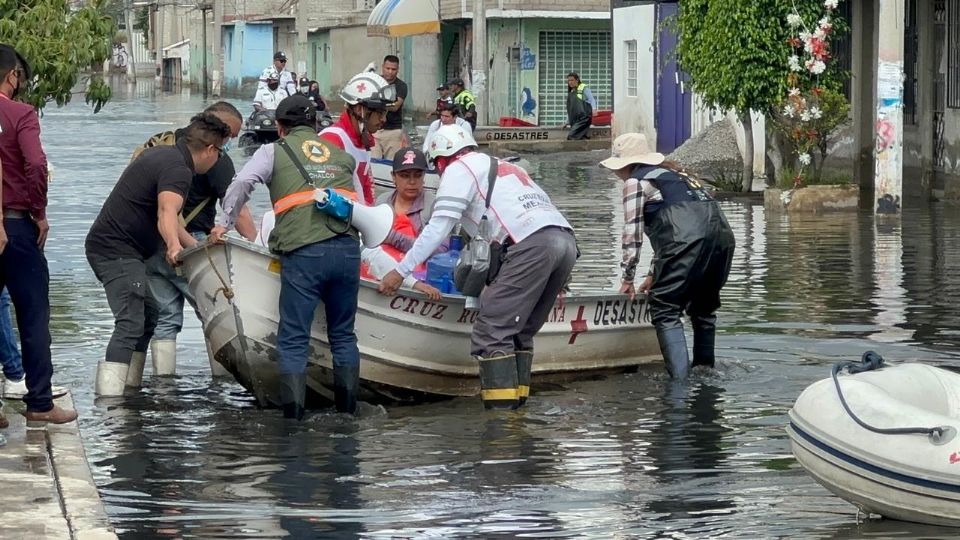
(634, 114)
(248, 49)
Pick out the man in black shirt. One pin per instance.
(169, 291)
(140, 215)
(390, 137)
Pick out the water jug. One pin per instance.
(440, 271)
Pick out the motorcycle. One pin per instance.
(261, 128)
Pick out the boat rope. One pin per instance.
(871, 361)
(225, 289)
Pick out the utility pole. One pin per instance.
(204, 8)
(478, 75)
(217, 46)
(302, 39)
(157, 42)
(131, 60)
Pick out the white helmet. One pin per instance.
(450, 139)
(272, 75)
(370, 90)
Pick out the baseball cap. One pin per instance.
(443, 87)
(295, 108)
(409, 158)
(458, 81)
(279, 55)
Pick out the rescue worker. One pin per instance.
(538, 241)
(580, 107)
(692, 244)
(465, 101)
(365, 96)
(270, 97)
(287, 80)
(319, 255)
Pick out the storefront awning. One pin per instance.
(398, 18)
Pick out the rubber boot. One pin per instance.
(293, 394)
(673, 345)
(163, 353)
(524, 372)
(135, 373)
(704, 338)
(111, 379)
(499, 386)
(346, 386)
(216, 368)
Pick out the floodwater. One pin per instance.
(628, 456)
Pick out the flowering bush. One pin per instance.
(811, 111)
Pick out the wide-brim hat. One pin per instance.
(631, 149)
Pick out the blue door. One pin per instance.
(673, 101)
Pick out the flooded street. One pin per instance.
(628, 456)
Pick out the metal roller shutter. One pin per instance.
(587, 53)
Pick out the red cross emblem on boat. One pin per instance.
(954, 458)
(577, 326)
(362, 87)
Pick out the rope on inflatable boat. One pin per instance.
(871, 361)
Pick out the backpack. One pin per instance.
(167, 138)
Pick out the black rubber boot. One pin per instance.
(498, 382)
(524, 373)
(704, 338)
(346, 386)
(293, 394)
(673, 345)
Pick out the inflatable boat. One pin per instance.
(884, 439)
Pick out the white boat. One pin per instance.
(910, 477)
(535, 134)
(411, 348)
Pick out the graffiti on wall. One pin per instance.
(888, 174)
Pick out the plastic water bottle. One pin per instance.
(440, 271)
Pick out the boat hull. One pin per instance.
(412, 349)
(905, 477)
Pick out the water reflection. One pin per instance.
(629, 456)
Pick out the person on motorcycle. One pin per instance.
(366, 96)
(311, 89)
(268, 98)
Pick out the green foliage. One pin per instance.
(729, 181)
(736, 51)
(791, 179)
(60, 44)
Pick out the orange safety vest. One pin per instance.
(303, 198)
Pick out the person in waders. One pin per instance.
(692, 244)
(580, 107)
(319, 254)
(538, 254)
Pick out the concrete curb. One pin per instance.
(48, 490)
(79, 498)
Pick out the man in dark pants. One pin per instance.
(141, 214)
(23, 267)
(540, 253)
(692, 244)
(319, 254)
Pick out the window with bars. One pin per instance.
(584, 52)
(630, 57)
(953, 54)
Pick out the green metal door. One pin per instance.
(321, 60)
(587, 53)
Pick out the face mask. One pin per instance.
(304, 89)
(273, 86)
(227, 146)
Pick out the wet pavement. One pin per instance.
(628, 456)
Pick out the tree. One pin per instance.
(62, 46)
(735, 52)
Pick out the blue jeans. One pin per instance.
(9, 351)
(327, 272)
(169, 291)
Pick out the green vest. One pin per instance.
(580, 88)
(464, 100)
(328, 167)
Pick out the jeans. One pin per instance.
(169, 291)
(327, 272)
(24, 272)
(134, 311)
(9, 351)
